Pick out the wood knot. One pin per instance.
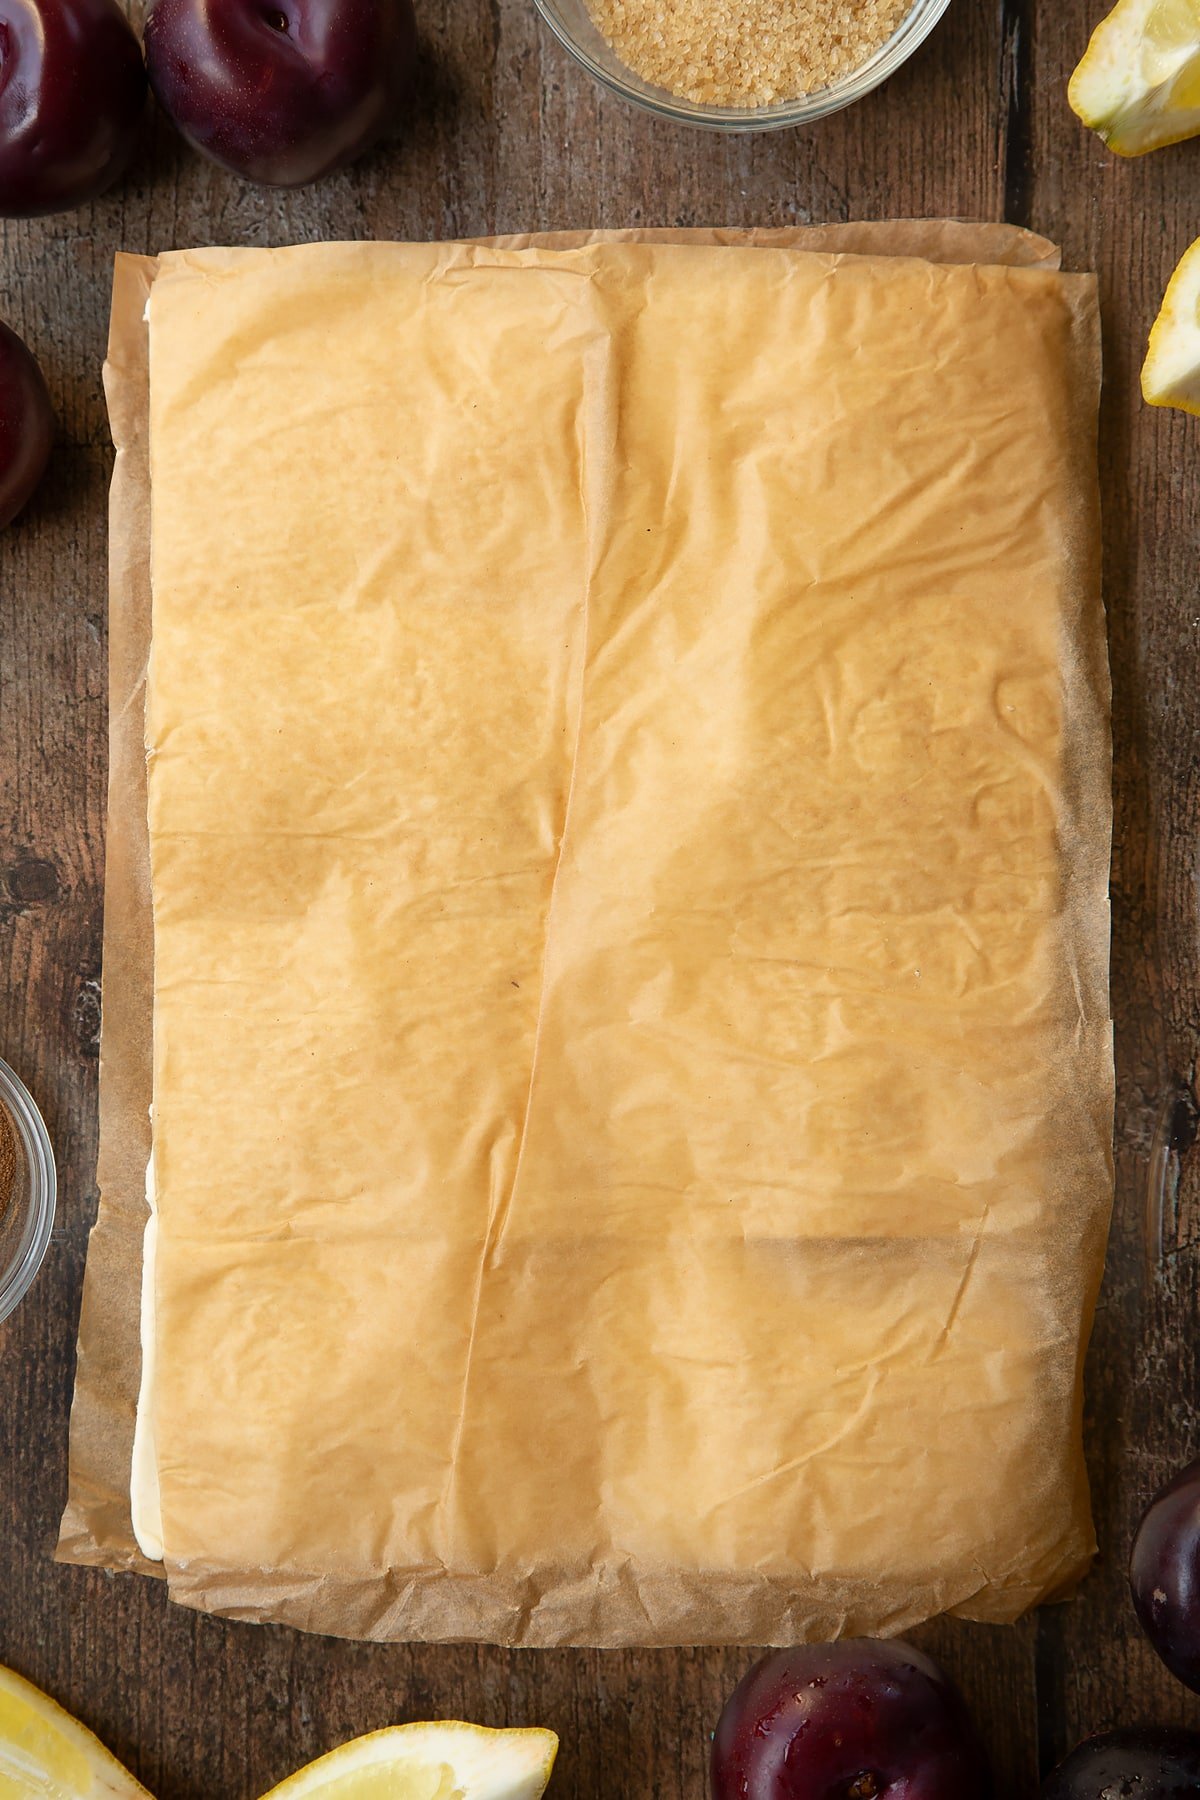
(33, 881)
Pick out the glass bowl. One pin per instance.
(572, 25)
(27, 1218)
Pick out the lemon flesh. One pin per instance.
(1171, 371)
(1138, 83)
(443, 1761)
(45, 1754)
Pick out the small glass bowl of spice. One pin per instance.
(27, 1190)
(741, 65)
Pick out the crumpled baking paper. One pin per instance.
(628, 808)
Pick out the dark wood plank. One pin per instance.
(509, 136)
(1132, 221)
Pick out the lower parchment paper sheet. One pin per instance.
(628, 808)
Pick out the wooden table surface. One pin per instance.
(507, 136)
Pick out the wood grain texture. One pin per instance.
(1132, 221)
(509, 136)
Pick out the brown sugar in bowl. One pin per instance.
(741, 65)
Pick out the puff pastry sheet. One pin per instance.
(628, 809)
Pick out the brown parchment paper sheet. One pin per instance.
(656, 1570)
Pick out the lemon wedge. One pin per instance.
(1138, 84)
(444, 1761)
(1171, 371)
(45, 1754)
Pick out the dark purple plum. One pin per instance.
(72, 96)
(862, 1719)
(1139, 1764)
(26, 425)
(281, 91)
(1164, 1574)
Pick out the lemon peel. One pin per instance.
(1138, 82)
(1171, 371)
(446, 1760)
(45, 1754)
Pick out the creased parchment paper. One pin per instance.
(627, 987)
